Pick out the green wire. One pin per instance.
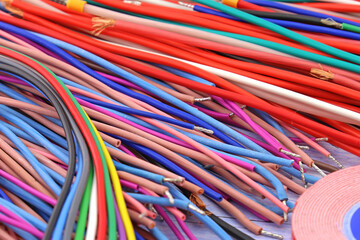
(84, 207)
(281, 30)
(108, 189)
(350, 27)
(261, 42)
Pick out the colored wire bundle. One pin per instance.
(115, 115)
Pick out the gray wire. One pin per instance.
(65, 116)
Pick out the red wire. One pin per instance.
(102, 225)
(276, 111)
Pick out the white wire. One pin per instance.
(179, 29)
(342, 1)
(166, 4)
(277, 94)
(93, 212)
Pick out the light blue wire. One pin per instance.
(167, 97)
(158, 234)
(24, 214)
(42, 130)
(308, 178)
(204, 218)
(34, 133)
(23, 234)
(57, 177)
(185, 75)
(267, 118)
(27, 197)
(57, 233)
(13, 94)
(30, 157)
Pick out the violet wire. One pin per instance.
(28, 188)
(241, 114)
(185, 228)
(298, 140)
(124, 82)
(211, 113)
(165, 216)
(13, 80)
(169, 222)
(26, 227)
(127, 151)
(120, 224)
(129, 184)
(41, 48)
(165, 137)
(274, 151)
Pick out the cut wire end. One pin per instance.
(303, 147)
(170, 197)
(318, 170)
(286, 216)
(196, 209)
(173, 180)
(290, 153)
(205, 130)
(336, 161)
(272, 235)
(302, 173)
(185, 4)
(202, 99)
(325, 139)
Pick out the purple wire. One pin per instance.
(27, 188)
(19, 223)
(129, 184)
(169, 222)
(127, 151)
(167, 138)
(41, 48)
(120, 224)
(185, 228)
(125, 82)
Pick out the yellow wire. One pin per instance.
(117, 188)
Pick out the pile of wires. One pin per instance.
(122, 119)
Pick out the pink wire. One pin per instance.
(185, 228)
(27, 188)
(21, 224)
(169, 222)
(17, 40)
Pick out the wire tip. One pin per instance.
(205, 130)
(196, 209)
(272, 235)
(336, 161)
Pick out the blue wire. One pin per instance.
(210, 121)
(138, 236)
(158, 234)
(57, 233)
(288, 24)
(137, 112)
(5, 113)
(174, 168)
(185, 75)
(27, 197)
(204, 218)
(43, 130)
(30, 157)
(24, 214)
(23, 234)
(308, 178)
(292, 9)
(267, 118)
(4, 196)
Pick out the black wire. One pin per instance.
(234, 232)
(69, 126)
(286, 16)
